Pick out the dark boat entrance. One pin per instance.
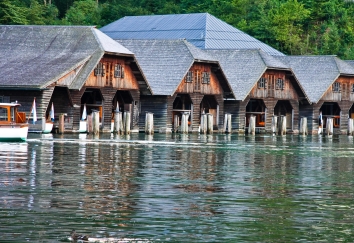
(331, 110)
(256, 107)
(284, 108)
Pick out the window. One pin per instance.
(100, 70)
(279, 84)
(352, 88)
(336, 87)
(262, 83)
(206, 78)
(118, 71)
(189, 77)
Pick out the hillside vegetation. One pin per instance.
(295, 27)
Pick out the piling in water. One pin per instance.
(149, 123)
(184, 122)
(274, 125)
(176, 123)
(61, 123)
(329, 126)
(303, 126)
(210, 123)
(117, 122)
(227, 123)
(350, 127)
(126, 122)
(95, 122)
(252, 125)
(282, 125)
(203, 123)
(89, 123)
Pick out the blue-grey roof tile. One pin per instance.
(201, 29)
(317, 73)
(165, 62)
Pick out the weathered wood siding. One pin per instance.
(127, 82)
(69, 77)
(269, 91)
(158, 106)
(346, 91)
(213, 87)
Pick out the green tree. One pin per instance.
(83, 12)
(12, 13)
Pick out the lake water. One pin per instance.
(178, 188)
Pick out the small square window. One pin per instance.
(336, 87)
(99, 70)
(189, 77)
(279, 84)
(118, 71)
(206, 78)
(262, 83)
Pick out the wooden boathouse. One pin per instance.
(68, 66)
(264, 87)
(183, 79)
(329, 84)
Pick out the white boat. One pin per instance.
(13, 125)
(83, 125)
(48, 125)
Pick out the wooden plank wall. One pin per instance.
(157, 105)
(344, 115)
(76, 111)
(196, 100)
(296, 118)
(108, 94)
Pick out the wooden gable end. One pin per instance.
(67, 79)
(200, 79)
(113, 72)
(274, 84)
(341, 89)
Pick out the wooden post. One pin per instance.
(43, 123)
(252, 125)
(229, 128)
(350, 127)
(225, 123)
(176, 123)
(274, 125)
(149, 123)
(303, 126)
(95, 122)
(203, 123)
(127, 122)
(282, 125)
(117, 122)
(210, 125)
(89, 123)
(61, 123)
(184, 122)
(329, 126)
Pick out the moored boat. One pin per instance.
(13, 125)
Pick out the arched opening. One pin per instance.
(210, 105)
(330, 110)
(181, 104)
(124, 101)
(256, 107)
(92, 98)
(284, 108)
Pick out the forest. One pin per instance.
(295, 27)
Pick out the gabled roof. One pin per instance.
(317, 73)
(201, 29)
(34, 57)
(243, 68)
(165, 62)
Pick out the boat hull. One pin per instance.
(82, 127)
(48, 127)
(13, 133)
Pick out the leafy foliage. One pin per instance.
(296, 27)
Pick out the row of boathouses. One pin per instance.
(170, 65)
